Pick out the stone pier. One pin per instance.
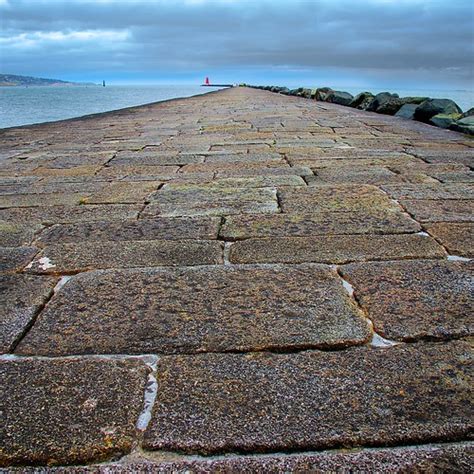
(236, 282)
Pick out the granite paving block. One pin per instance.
(451, 457)
(229, 183)
(341, 198)
(68, 411)
(243, 157)
(14, 235)
(323, 223)
(335, 249)
(83, 256)
(199, 200)
(22, 297)
(64, 214)
(15, 258)
(45, 199)
(222, 403)
(431, 191)
(354, 174)
(148, 157)
(151, 173)
(123, 192)
(203, 309)
(265, 171)
(173, 228)
(440, 210)
(457, 238)
(416, 299)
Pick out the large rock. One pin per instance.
(284, 90)
(306, 93)
(339, 97)
(322, 93)
(394, 104)
(431, 107)
(444, 120)
(379, 100)
(464, 125)
(407, 111)
(361, 101)
(469, 113)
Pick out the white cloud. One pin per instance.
(37, 38)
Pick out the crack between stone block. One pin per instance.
(60, 283)
(376, 340)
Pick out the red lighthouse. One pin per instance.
(207, 82)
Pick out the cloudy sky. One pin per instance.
(391, 43)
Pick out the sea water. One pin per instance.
(21, 105)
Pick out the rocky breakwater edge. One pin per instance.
(444, 113)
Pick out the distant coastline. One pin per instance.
(14, 80)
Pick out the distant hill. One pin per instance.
(14, 80)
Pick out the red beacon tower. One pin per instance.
(207, 82)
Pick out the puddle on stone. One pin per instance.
(423, 233)
(457, 258)
(379, 341)
(227, 246)
(151, 390)
(63, 280)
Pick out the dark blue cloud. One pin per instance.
(409, 41)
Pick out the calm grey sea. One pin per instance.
(27, 105)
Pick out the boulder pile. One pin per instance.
(443, 113)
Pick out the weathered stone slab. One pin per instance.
(229, 183)
(149, 157)
(342, 198)
(173, 228)
(64, 214)
(75, 257)
(15, 258)
(68, 411)
(335, 249)
(454, 457)
(151, 173)
(13, 235)
(208, 202)
(243, 157)
(431, 191)
(355, 174)
(311, 400)
(205, 309)
(323, 223)
(22, 297)
(440, 210)
(45, 199)
(123, 192)
(457, 238)
(265, 171)
(416, 299)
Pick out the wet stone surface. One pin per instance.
(201, 309)
(416, 299)
(311, 400)
(68, 411)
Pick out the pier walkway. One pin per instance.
(236, 282)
